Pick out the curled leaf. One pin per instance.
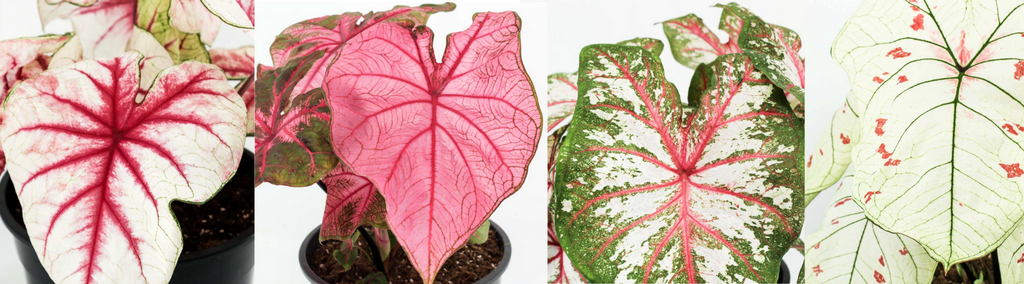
(104, 27)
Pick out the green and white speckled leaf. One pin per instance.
(1011, 257)
(774, 51)
(941, 146)
(827, 163)
(851, 249)
(692, 43)
(643, 181)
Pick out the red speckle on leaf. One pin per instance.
(1020, 128)
(878, 126)
(961, 204)
(904, 251)
(918, 22)
(1021, 258)
(877, 80)
(846, 139)
(913, 1)
(892, 162)
(881, 259)
(1012, 170)
(821, 152)
(1009, 128)
(834, 221)
(903, 78)
(897, 53)
(881, 150)
(867, 196)
(841, 202)
(1020, 70)
(912, 7)
(817, 246)
(817, 269)
(886, 73)
(809, 161)
(878, 277)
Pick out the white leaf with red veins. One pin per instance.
(851, 249)
(238, 13)
(156, 57)
(560, 270)
(445, 142)
(939, 89)
(561, 99)
(16, 54)
(190, 16)
(238, 63)
(1011, 257)
(96, 171)
(68, 54)
(104, 27)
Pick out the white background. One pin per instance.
(285, 214)
(20, 18)
(592, 22)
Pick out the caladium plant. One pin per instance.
(929, 133)
(109, 124)
(439, 145)
(640, 179)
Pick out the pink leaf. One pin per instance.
(104, 27)
(96, 170)
(330, 33)
(237, 63)
(352, 201)
(445, 142)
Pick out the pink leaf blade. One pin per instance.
(352, 201)
(96, 180)
(451, 154)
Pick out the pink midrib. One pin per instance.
(684, 193)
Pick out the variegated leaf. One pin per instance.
(154, 16)
(22, 58)
(850, 249)
(939, 86)
(774, 50)
(1011, 257)
(352, 201)
(190, 16)
(692, 43)
(824, 168)
(293, 145)
(238, 13)
(642, 179)
(104, 27)
(560, 270)
(247, 89)
(561, 99)
(330, 33)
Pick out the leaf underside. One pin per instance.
(352, 201)
(641, 177)
(449, 141)
(938, 95)
(96, 171)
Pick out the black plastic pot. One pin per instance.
(228, 263)
(312, 242)
(783, 273)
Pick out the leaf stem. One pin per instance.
(374, 251)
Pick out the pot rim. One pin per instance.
(21, 234)
(491, 277)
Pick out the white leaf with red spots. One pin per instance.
(237, 63)
(827, 163)
(445, 142)
(96, 171)
(352, 201)
(929, 161)
(851, 249)
(238, 13)
(1011, 257)
(651, 190)
(103, 28)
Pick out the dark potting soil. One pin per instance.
(223, 217)
(983, 265)
(469, 264)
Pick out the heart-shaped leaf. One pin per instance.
(293, 145)
(238, 63)
(938, 89)
(824, 168)
(155, 59)
(851, 249)
(445, 142)
(1011, 257)
(352, 201)
(191, 16)
(643, 180)
(347, 252)
(238, 13)
(104, 27)
(330, 33)
(96, 170)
